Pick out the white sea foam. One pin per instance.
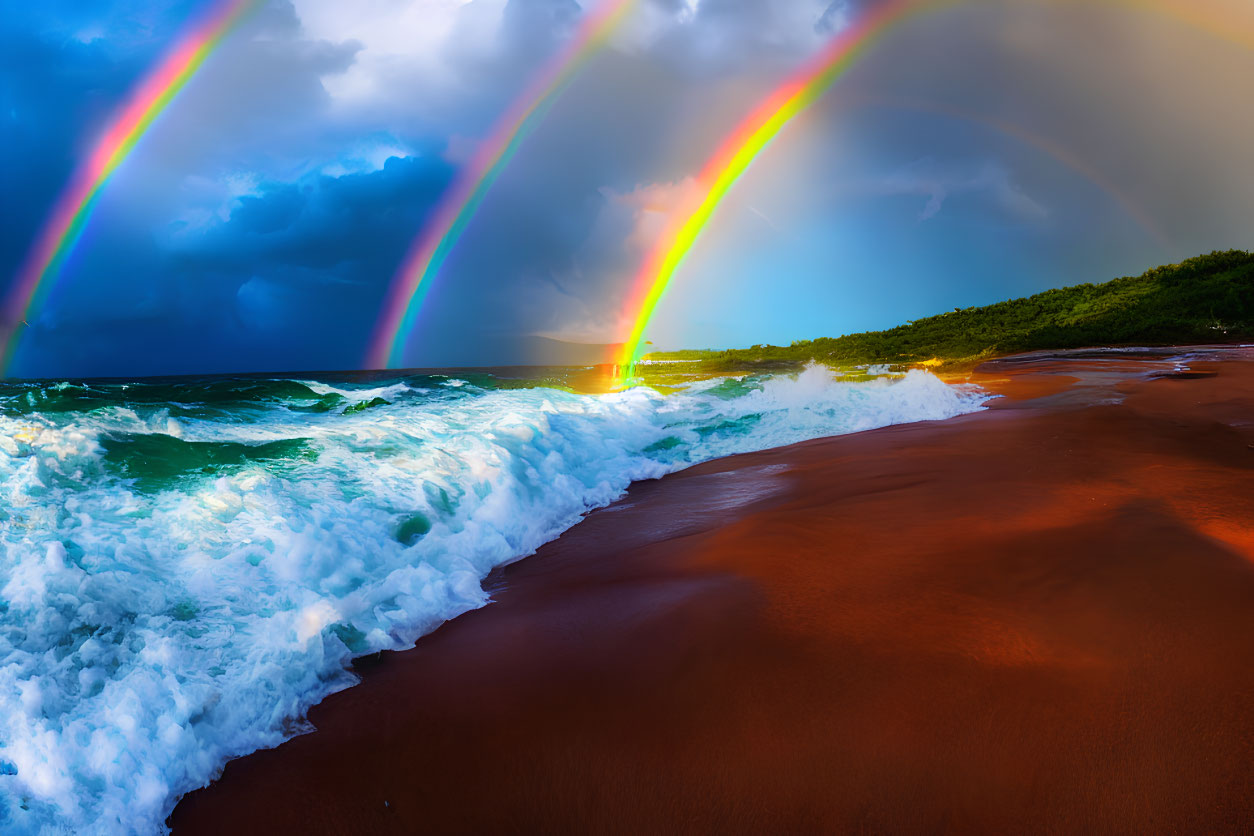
(149, 631)
(385, 392)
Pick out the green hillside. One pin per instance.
(1208, 299)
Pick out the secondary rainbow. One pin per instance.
(1043, 144)
(754, 134)
(69, 216)
(441, 233)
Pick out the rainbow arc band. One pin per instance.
(749, 139)
(439, 236)
(755, 133)
(72, 211)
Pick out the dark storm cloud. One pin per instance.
(293, 275)
(62, 76)
(332, 223)
(53, 89)
(304, 247)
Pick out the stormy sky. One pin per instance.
(989, 150)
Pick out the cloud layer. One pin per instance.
(984, 152)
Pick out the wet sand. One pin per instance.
(1037, 618)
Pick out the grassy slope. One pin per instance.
(1206, 299)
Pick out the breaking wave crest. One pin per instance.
(188, 567)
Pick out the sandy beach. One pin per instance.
(1036, 618)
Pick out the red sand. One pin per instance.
(1037, 618)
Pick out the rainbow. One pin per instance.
(69, 217)
(752, 136)
(742, 147)
(441, 233)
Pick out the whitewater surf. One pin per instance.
(188, 565)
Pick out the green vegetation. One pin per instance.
(1208, 299)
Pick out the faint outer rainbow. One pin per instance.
(755, 133)
(69, 216)
(1041, 143)
(1208, 16)
(439, 236)
(743, 146)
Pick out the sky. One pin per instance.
(989, 150)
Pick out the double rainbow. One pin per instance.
(71, 213)
(440, 235)
(69, 217)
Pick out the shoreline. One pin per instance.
(1034, 614)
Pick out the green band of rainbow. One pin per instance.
(441, 233)
(73, 208)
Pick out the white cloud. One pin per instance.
(400, 39)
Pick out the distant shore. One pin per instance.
(1036, 618)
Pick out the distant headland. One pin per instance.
(1207, 299)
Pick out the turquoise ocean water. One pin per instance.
(189, 564)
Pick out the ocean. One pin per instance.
(189, 564)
